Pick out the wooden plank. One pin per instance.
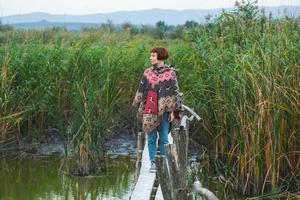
(159, 195)
(145, 182)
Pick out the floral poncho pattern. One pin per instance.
(158, 92)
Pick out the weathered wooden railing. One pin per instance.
(172, 168)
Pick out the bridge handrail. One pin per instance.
(193, 113)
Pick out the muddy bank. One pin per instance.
(51, 143)
(117, 144)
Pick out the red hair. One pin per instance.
(162, 53)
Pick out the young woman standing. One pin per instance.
(158, 101)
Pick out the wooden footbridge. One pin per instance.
(170, 180)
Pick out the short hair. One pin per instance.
(162, 53)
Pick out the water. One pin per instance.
(39, 178)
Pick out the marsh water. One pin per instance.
(39, 178)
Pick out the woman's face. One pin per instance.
(153, 59)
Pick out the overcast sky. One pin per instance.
(10, 7)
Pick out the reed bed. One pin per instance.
(240, 71)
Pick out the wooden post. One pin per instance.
(163, 176)
(140, 148)
(178, 185)
(181, 139)
(172, 160)
(172, 168)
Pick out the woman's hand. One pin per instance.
(171, 116)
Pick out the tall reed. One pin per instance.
(240, 72)
(244, 80)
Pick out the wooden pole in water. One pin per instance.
(140, 148)
(177, 180)
(164, 177)
(172, 168)
(181, 139)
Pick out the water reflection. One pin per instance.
(40, 179)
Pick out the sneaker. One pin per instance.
(153, 167)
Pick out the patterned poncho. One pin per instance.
(158, 92)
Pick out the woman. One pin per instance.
(158, 101)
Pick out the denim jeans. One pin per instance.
(163, 130)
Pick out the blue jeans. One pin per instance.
(163, 130)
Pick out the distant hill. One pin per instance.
(150, 17)
(43, 24)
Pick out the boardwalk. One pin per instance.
(144, 185)
(171, 168)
